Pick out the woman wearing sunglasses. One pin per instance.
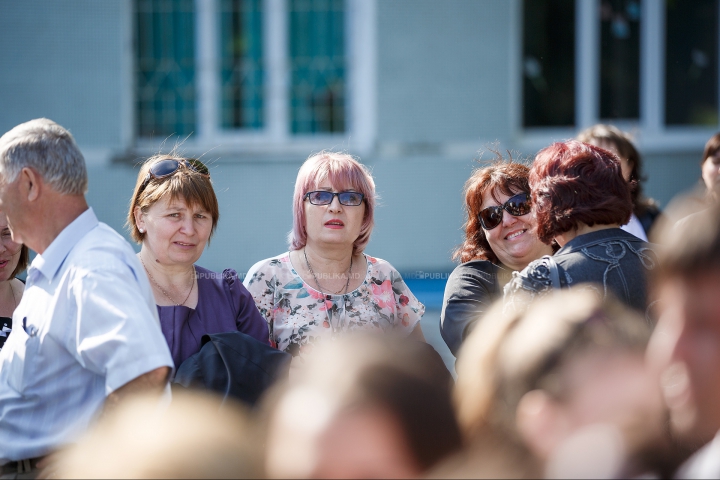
(499, 238)
(173, 214)
(325, 285)
(580, 200)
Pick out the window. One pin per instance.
(262, 73)
(549, 63)
(317, 59)
(165, 55)
(619, 59)
(241, 65)
(647, 65)
(691, 76)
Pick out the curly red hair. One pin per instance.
(508, 178)
(573, 183)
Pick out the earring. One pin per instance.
(141, 230)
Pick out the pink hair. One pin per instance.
(344, 173)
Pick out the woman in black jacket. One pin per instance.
(581, 199)
(499, 239)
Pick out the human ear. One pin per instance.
(539, 423)
(29, 184)
(139, 219)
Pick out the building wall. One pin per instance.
(64, 60)
(443, 71)
(445, 87)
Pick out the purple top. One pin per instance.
(224, 305)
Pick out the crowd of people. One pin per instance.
(582, 349)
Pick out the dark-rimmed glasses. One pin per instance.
(517, 206)
(323, 197)
(167, 167)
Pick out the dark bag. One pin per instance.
(234, 365)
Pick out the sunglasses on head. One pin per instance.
(517, 206)
(166, 168)
(323, 197)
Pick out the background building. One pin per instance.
(416, 88)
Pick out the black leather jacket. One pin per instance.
(470, 290)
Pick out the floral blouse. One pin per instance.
(298, 315)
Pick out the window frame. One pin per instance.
(275, 137)
(651, 133)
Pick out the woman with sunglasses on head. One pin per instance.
(499, 238)
(173, 214)
(580, 199)
(325, 285)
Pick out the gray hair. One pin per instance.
(48, 148)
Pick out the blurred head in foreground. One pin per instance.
(564, 381)
(685, 347)
(362, 407)
(193, 437)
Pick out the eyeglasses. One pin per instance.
(517, 206)
(323, 197)
(167, 167)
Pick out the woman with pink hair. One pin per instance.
(325, 284)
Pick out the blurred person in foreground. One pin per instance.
(580, 199)
(645, 210)
(86, 333)
(173, 214)
(685, 347)
(325, 284)
(500, 238)
(14, 258)
(559, 390)
(362, 407)
(195, 436)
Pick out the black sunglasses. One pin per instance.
(517, 206)
(167, 167)
(323, 197)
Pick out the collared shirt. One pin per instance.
(87, 324)
(635, 227)
(705, 463)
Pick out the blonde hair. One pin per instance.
(196, 436)
(508, 355)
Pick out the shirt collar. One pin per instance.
(50, 261)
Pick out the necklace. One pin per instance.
(327, 297)
(167, 295)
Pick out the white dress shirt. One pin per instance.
(635, 227)
(87, 324)
(705, 463)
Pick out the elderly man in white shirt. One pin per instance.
(86, 333)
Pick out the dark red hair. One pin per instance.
(508, 178)
(573, 183)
